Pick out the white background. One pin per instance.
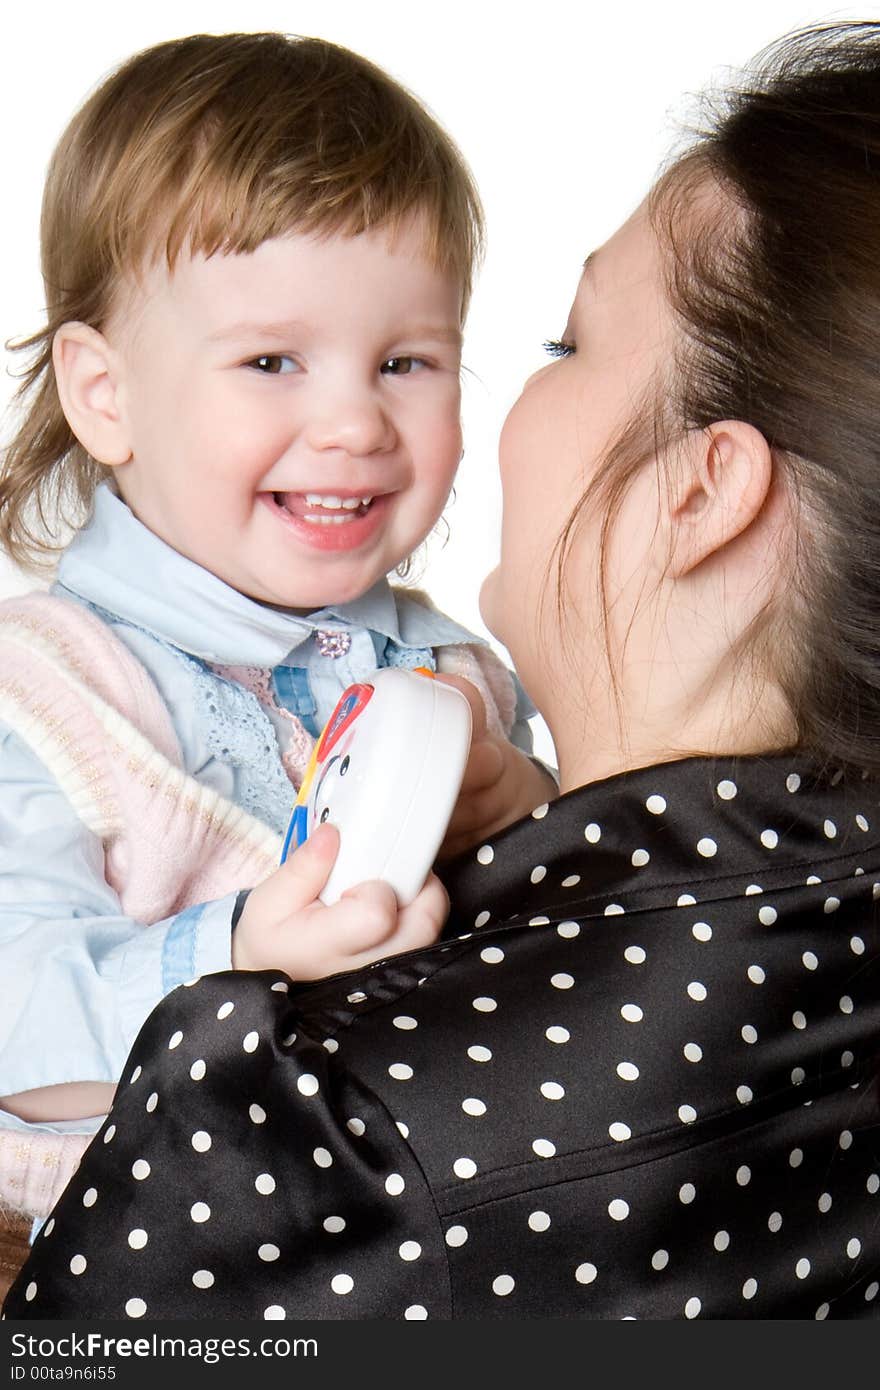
(563, 108)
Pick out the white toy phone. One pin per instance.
(386, 771)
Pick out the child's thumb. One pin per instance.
(302, 876)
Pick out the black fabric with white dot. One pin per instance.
(638, 1078)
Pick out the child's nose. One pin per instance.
(355, 422)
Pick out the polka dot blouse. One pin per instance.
(637, 1078)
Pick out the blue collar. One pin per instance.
(117, 563)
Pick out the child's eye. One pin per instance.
(401, 366)
(273, 364)
(556, 348)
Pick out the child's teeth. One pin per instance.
(345, 504)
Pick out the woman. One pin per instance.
(637, 1077)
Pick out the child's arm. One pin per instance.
(501, 782)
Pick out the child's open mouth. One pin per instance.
(327, 521)
(319, 509)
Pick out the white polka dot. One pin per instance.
(289, 1041)
(685, 900)
(829, 828)
(203, 1279)
(492, 955)
(692, 1308)
(257, 1114)
(824, 1202)
(49, 1227)
(631, 1013)
(774, 1222)
(862, 823)
(873, 1184)
(845, 1139)
(251, 1041)
(744, 1094)
(333, 1225)
(322, 1157)
(197, 1070)
(538, 873)
(479, 1054)
(540, 811)
(544, 1148)
(223, 1012)
(135, 1308)
(200, 1211)
(845, 1004)
(417, 1312)
(802, 1269)
(485, 1004)
(456, 1235)
(619, 1132)
(857, 945)
(697, 991)
(871, 1291)
(748, 1033)
(265, 1184)
(686, 1193)
(201, 1141)
(90, 1197)
(137, 1071)
(30, 1292)
(792, 781)
(482, 918)
(275, 1313)
(726, 790)
(539, 1221)
(752, 889)
(810, 960)
(767, 916)
(307, 1085)
(750, 1288)
(174, 1041)
(503, 1285)
(831, 905)
(394, 1184)
(707, 847)
(109, 1133)
(701, 931)
(769, 839)
(410, 1250)
(812, 880)
(400, 1071)
(485, 854)
(342, 1283)
(640, 857)
(756, 974)
(356, 1127)
(357, 996)
(627, 1071)
(536, 922)
(687, 1114)
(614, 910)
(473, 1106)
(555, 1034)
(743, 1175)
(137, 1238)
(660, 1259)
(551, 1090)
(562, 980)
(78, 1264)
(151, 1103)
(795, 1158)
(586, 1273)
(592, 833)
(721, 1241)
(572, 881)
(568, 930)
(854, 1248)
(464, 1167)
(281, 987)
(140, 1169)
(798, 1076)
(693, 1052)
(656, 805)
(635, 955)
(618, 1209)
(268, 1253)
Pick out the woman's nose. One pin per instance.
(353, 421)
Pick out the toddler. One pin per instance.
(257, 254)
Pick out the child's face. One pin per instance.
(292, 414)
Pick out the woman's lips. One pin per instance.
(328, 528)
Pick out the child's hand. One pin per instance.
(500, 783)
(284, 926)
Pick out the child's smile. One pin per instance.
(292, 415)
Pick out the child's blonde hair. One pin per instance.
(214, 143)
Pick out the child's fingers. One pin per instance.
(299, 880)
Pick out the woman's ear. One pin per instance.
(87, 389)
(722, 483)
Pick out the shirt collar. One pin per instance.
(117, 563)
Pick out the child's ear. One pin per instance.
(87, 388)
(722, 483)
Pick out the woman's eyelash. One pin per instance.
(557, 348)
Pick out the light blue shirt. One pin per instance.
(78, 977)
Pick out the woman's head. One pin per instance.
(758, 403)
(218, 143)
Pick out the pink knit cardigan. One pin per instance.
(90, 711)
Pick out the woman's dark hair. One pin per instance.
(775, 281)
